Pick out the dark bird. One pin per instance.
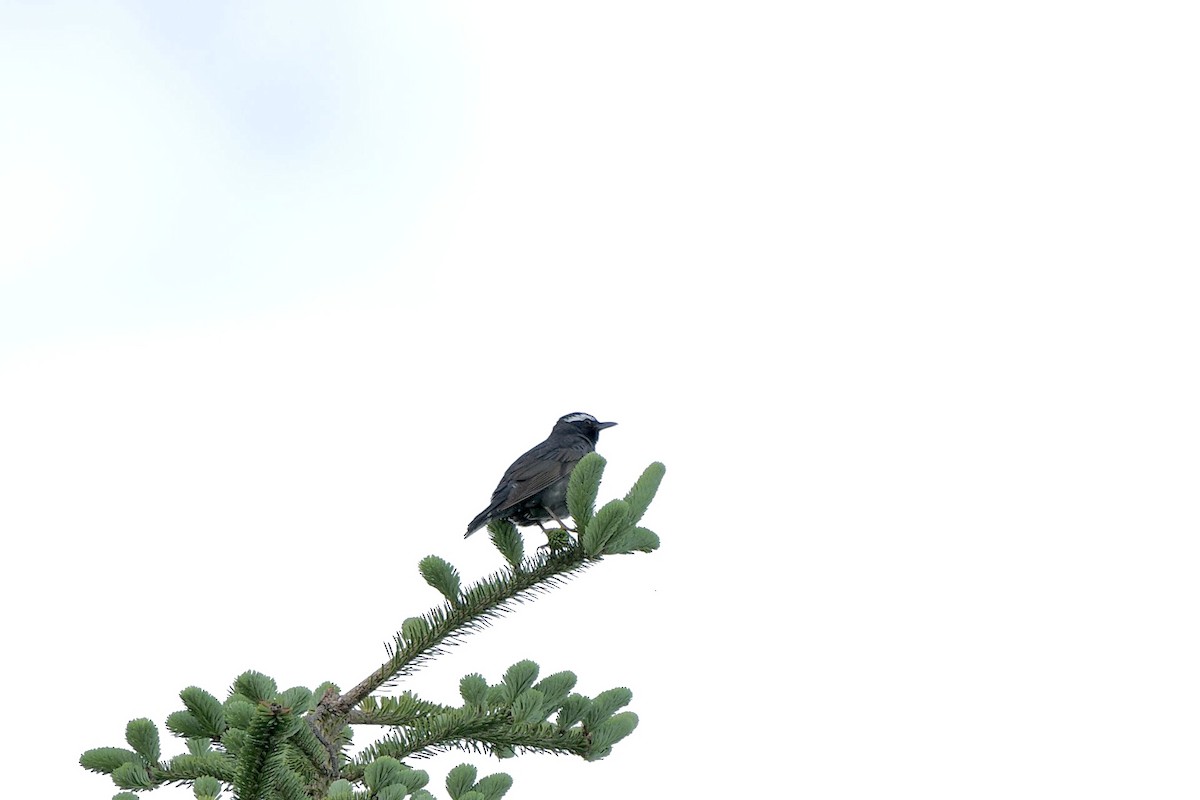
(534, 488)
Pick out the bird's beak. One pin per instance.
(602, 425)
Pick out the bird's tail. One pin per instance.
(484, 518)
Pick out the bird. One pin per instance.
(534, 487)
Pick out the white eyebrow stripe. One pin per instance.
(578, 417)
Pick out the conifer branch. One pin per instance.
(473, 731)
(481, 603)
(400, 710)
(189, 767)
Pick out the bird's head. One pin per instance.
(580, 424)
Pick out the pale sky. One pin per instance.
(903, 295)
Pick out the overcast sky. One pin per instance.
(903, 295)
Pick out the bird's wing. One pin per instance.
(534, 471)
(530, 474)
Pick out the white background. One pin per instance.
(902, 295)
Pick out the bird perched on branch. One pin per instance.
(534, 488)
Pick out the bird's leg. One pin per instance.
(566, 532)
(551, 541)
(556, 539)
(561, 524)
